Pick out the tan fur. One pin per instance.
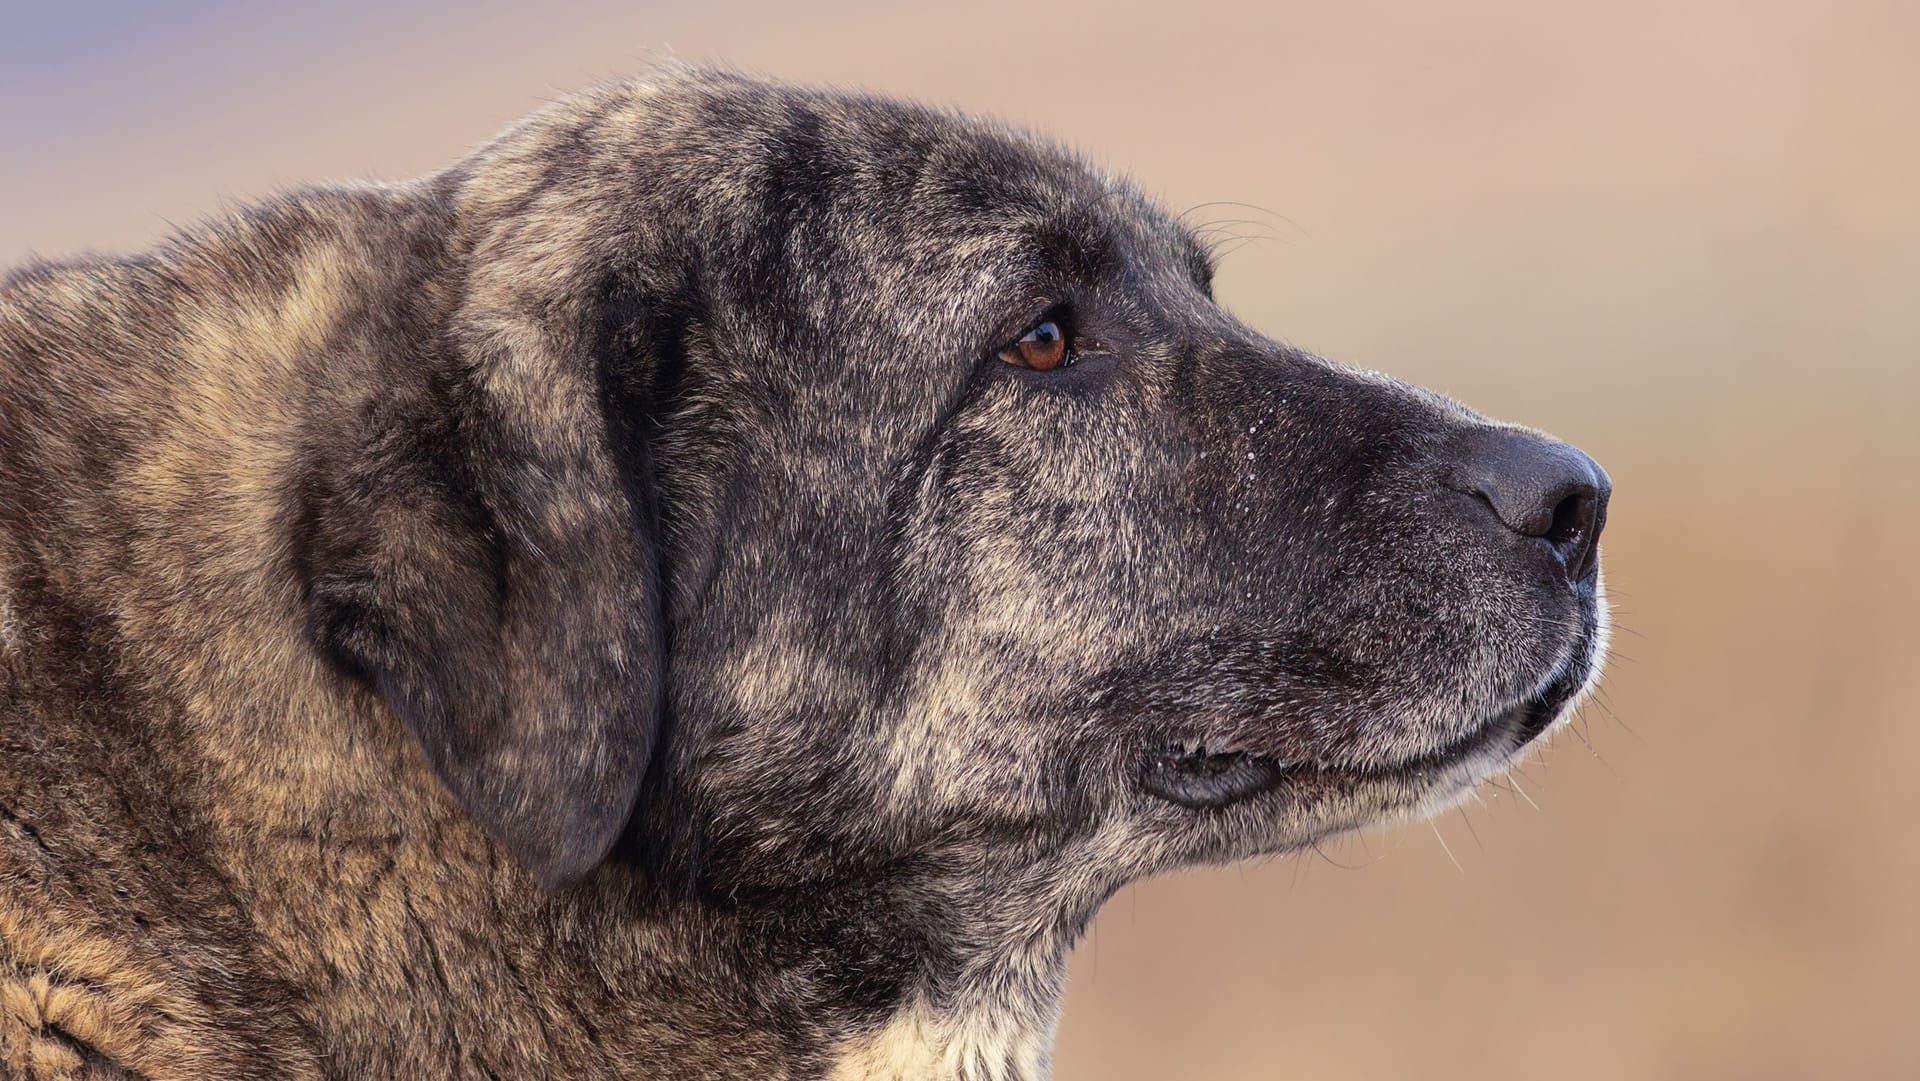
(81, 1005)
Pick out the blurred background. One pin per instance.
(1683, 235)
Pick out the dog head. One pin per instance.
(821, 485)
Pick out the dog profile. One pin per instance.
(722, 582)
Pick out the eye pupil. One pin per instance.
(1043, 348)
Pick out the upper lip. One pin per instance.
(1514, 727)
(1208, 776)
(1506, 729)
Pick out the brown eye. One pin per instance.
(1043, 348)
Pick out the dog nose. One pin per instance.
(1538, 487)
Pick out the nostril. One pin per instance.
(1569, 521)
(1571, 530)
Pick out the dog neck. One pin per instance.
(917, 972)
(848, 983)
(1004, 1041)
(983, 1012)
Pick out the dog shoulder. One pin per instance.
(121, 956)
(130, 389)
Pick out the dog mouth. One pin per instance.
(1206, 778)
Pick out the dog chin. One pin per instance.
(1439, 786)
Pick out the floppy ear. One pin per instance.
(485, 557)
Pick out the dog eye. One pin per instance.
(1042, 348)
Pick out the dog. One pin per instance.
(722, 582)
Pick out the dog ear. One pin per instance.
(486, 558)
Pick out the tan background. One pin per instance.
(1685, 236)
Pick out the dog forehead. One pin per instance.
(942, 179)
(805, 193)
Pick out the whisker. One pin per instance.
(1517, 788)
(1222, 253)
(1444, 847)
(1323, 855)
(1181, 217)
(1471, 832)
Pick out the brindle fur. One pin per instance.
(603, 611)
